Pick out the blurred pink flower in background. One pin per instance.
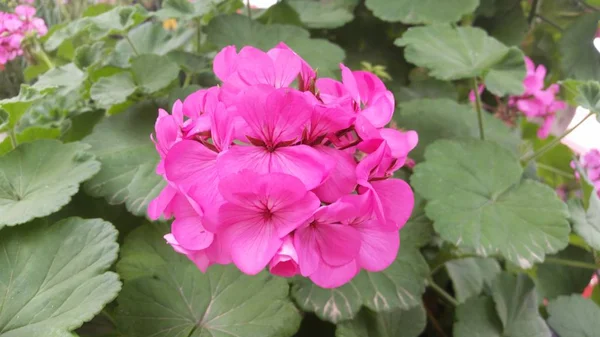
(14, 27)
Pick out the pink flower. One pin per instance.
(14, 27)
(591, 164)
(259, 212)
(285, 261)
(297, 179)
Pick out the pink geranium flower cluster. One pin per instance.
(536, 102)
(278, 168)
(591, 163)
(14, 27)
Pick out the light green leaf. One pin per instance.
(580, 59)
(55, 277)
(28, 135)
(516, 306)
(589, 96)
(463, 52)
(37, 179)
(587, 223)
(240, 31)
(421, 11)
(122, 144)
(184, 9)
(470, 275)
(18, 105)
(169, 296)
(328, 15)
(153, 72)
(437, 119)
(150, 38)
(555, 279)
(477, 200)
(574, 316)
(66, 78)
(112, 90)
(397, 323)
(88, 55)
(398, 287)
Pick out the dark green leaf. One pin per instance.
(580, 59)
(122, 144)
(554, 279)
(37, 179)
(421, 11)
(184, 9)
(397, 323)
(477, 318)
(54, 277)
(477, 200)
(427, 88)
(470, 275)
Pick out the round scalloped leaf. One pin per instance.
(477, 200)
(581, 60)
(470, 275)
(54, 277)
(39, 178)
(421, 11)
(400, 286)
(397, 323)
(587, 223)
(464, 52)
(574, 316)
(167, 295)
(122, 144)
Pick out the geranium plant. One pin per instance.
(318, 168)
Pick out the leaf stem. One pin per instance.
(109, 317)
(13, 138)
(478, 108)
(554, 142)
(135, 51)
(532, 12)
(41, 54)
(571, 263)
(586, 5)
(443, 293)
(550, 22)
(249, 9)
(556, 171)
(187, 80)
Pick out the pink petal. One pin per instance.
(307, 74)
(201, 102)
(338, 244)
(256, 67)
(157, 207)
(378, 249)
(546, 127)
(285, 261)
(397, 200)
(342, 179)
(287, 66)
(326, 119)
(350, 83)
(332, 277)
(379, 112)
(240, 157)
(400, 142)
(225, 63)
(369, 86)
(304, 162)
(307, 249)
(290, 214)
(190, 233)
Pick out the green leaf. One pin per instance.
(37, 179)
(437, 119)
(66, 78)
(574, 316)
(169, 296)
(463, 52)
(516, 306)
(28, 135)
(418, 230)
(112, 90)
(240, 31)
(153, 72)
(320, 14)
(150, 38)
(398, 287)
(477, 318)
(421, 11)
(479, 201)
(470, 275)
(55, 277)
(144, 252)
(587, 223)
(189, 62)
(507, 24)
(121, 143)
(18, 105)
(397, 323)
(554, 279)
(589, 95)
(88, 55)
(512, 312)
(183, 9)
(580, 59)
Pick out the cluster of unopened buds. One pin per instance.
(14, 27)
(536, 103)
(278, 168)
